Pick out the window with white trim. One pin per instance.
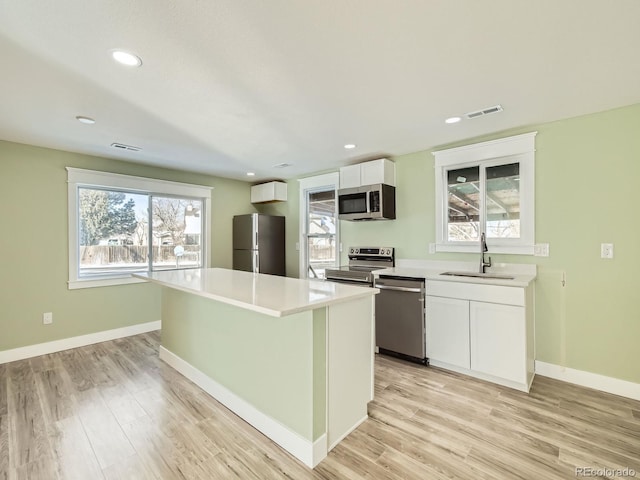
(319, 226)
(120, 224)
(486, 188)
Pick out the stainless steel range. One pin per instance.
(362, 262)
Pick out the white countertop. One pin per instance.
(522, 275)
(268, 294)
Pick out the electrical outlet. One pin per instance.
(606, 250)
(541, 250)
(298, 246)
(432, 248)
(47, 318)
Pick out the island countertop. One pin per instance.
(268, 294)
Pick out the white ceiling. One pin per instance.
(229, 86)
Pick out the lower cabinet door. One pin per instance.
(447, 330)
(498, 341)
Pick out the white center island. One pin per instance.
(294, 358)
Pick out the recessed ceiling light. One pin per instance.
(452, 120)
(349, 146)
(87, 120)
(251, 174)
(126, 58)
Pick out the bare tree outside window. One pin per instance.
(114, 233)
(176, 222)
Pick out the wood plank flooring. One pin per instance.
(115, 411)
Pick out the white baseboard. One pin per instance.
(74, 342)
(343, 436)
(308, 452)
(320, 450)
(590, 380)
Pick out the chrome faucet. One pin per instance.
(483, 248)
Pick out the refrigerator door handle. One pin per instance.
(254, 222)
(256, 262)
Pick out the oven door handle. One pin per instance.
(382, 286)
(346, 280)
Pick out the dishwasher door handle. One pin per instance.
(382, 286)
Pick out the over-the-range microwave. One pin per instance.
(369, 202)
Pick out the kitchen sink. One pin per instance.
(494, 276)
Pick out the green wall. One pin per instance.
(33, 241)
(585, 169)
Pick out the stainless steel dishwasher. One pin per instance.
(400, 321)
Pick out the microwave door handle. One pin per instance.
(367, 196)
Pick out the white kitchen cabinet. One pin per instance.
(368, 173)
(350, 176)
(498, 340)
(378, 171)
(269, 192)
(447, 330)
(482, 330)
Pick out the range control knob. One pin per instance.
(351, 251)
(357, 250)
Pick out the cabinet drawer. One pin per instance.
(477, 292)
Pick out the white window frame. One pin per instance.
(516, 149)
(307, 185)
(77, 177)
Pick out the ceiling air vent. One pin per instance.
(122, 146)
(484, 111)
(282, 165)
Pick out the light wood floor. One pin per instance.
(114, 410)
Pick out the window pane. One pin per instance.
(321, 232)
(322, 212)
(176, 233)
(322, 255)
(503, 201)
(463, 204)
(112, 234)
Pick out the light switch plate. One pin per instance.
(47, 318)
(606, 250)
(541, 250)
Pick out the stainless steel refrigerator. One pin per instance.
(258, 243)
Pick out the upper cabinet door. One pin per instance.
(350, 176)
(368, 173)
(378, 171)
(269, 192)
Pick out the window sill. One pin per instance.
(506, 249)
(103, 282)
